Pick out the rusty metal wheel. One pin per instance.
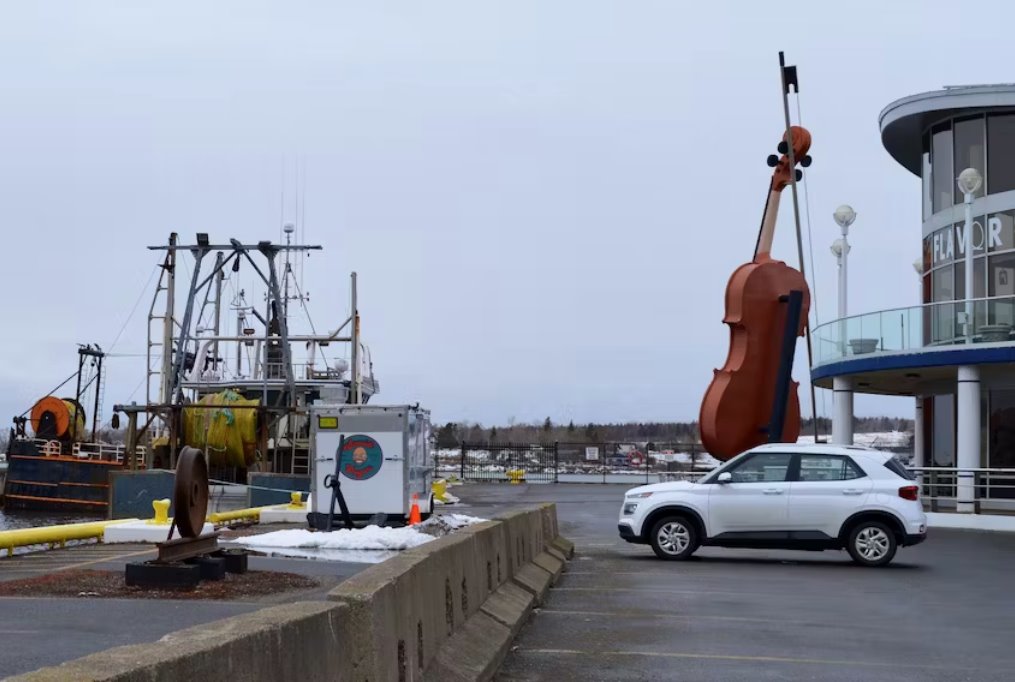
(190, 492)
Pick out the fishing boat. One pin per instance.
(239, 395)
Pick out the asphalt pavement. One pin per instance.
(43, 631)
(940, 611)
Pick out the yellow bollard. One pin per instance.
(296, 501)
(440, 489)
(161, 508)
(516, 476)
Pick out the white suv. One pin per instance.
(784, 496)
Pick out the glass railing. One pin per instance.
(923, 327)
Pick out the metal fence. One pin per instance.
(486, 462)
(604, 462)
(993, 489)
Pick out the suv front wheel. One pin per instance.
(871, 543)
(674, 538)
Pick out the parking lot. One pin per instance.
(940, 611)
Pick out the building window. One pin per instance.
(980, 310)
(1001, 280)
(943, 440)
(969, 151)
(1001, 283)
(1001, 160)
(925, 175)
(1001, 434)
(942, 316)
(941, 167)
(979, 279)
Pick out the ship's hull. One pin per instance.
(56, 483)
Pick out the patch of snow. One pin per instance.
(875, 439)
(370, 538)
(350, 556)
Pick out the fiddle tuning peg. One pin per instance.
(783, 148)
(799, 175)
(773, 160)
(806, 161)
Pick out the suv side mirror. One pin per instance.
(724, 477)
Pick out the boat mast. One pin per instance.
(218, 315)
(165, 389)
(355, 387)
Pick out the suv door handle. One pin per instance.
(773, 491)
(852, 491)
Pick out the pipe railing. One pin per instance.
(940, 484)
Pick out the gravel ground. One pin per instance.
(110, 584)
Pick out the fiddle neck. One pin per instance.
(764, 249)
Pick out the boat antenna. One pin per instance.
(287, 272)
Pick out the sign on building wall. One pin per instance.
(950, 243)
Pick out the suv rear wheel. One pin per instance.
(674, 538)
(871, 543)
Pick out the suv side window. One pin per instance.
(815, 467)
(762, 467)
(896, 467)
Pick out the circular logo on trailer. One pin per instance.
(361, 457)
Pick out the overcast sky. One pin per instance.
(543, 200)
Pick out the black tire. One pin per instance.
(674, 538)
(424, 517)
(871, 543)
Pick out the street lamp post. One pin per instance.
(918, 427)
(969, 181)
(844, 217)
(968, 376)
(842, 387)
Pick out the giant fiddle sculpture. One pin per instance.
(753, 399)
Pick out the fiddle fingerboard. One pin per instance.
(764, 249)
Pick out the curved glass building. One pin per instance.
(955, 350)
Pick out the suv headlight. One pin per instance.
(637, 496)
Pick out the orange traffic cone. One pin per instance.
(414, 511)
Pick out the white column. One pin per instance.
(842, 421)
(918, 456)
(968, 409)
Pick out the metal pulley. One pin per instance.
(190, 492)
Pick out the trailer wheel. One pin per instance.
(429, 512)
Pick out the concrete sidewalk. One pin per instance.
(987, 522)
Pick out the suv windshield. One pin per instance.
(895, 466)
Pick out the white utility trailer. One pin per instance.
(383, 458)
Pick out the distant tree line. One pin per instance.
(451, 434)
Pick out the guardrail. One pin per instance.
(940, 485)
(930, 326)
(54, 535)
(222, 517)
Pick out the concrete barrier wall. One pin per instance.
(449, 608)
(446, 610)
(301, 641)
